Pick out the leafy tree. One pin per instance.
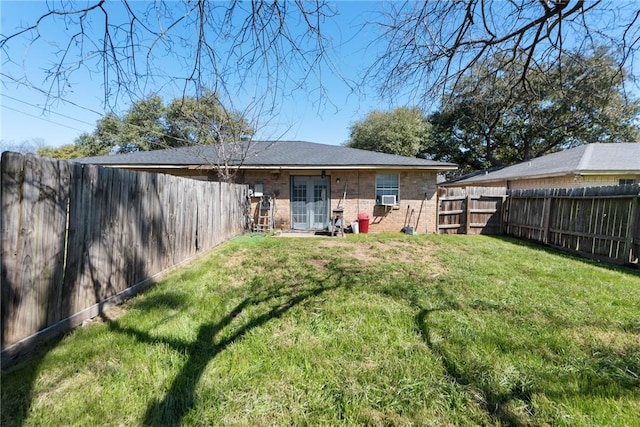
(403, 131)
(64, 152)
(144, 126)
(150, 125)
(487, 121)
(104, 139)
(204, 121)
(426, 48)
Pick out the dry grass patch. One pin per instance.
(406, 250)
(616, 340)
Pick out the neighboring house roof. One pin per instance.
(267, 154)
(587, 159)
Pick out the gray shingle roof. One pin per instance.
(584, 159)
(262, 154)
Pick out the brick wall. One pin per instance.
(360, 197)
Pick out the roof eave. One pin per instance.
(351, 167)
(282, 167)
(513, 178)
(549, 175)
(609, 172)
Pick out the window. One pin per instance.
(627, 181)
(258, 189)
(387, 184)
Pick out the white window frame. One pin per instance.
(387, 184)
(627, 181)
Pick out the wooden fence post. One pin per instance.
(546, 211)
(438, 201)
(506, 209)
(467, 214)
(632, 230)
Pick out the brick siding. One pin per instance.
(416, 188)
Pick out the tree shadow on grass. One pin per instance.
(179, 399)
(17, 385)
(495, 404)
(608, 372)
(632, 270)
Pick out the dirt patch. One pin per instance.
(237, 259)
(420, 254)
(319, 264)
(108, 314)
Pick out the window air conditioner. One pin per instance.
(388, 200)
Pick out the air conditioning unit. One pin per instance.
(388, 200)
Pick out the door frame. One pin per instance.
(310, 204)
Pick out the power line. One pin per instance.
(41, 118)
(30, 86)
(52, 112)
(130, 125)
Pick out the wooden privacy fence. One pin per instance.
(471, 210)
(599, 222)
(76, 237)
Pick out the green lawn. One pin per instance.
(384, 329)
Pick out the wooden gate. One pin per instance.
(471, 210)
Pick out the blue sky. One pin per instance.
(27, 114)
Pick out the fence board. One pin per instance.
(34, 202)
(11, 181)
(600, 222)
(74, 236)
(470, 210)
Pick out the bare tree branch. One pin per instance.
(221, 46)
(431, 45)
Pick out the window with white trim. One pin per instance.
(387, 184)
(627, 181)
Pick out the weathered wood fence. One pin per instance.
(598, 222)
(471, 210)
(75, 238)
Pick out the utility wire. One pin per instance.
(155, 133)
(30, 86)
(41, 118)
(52, 112)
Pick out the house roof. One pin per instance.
(266, 154)
(587, 159)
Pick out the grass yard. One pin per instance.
(378, 329)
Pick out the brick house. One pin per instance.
(307, 181)
(588, 165)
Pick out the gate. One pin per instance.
(471, 210)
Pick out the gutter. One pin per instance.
(279, 167)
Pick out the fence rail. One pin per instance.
(472, 210)
(599, 222)
(74, 236)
